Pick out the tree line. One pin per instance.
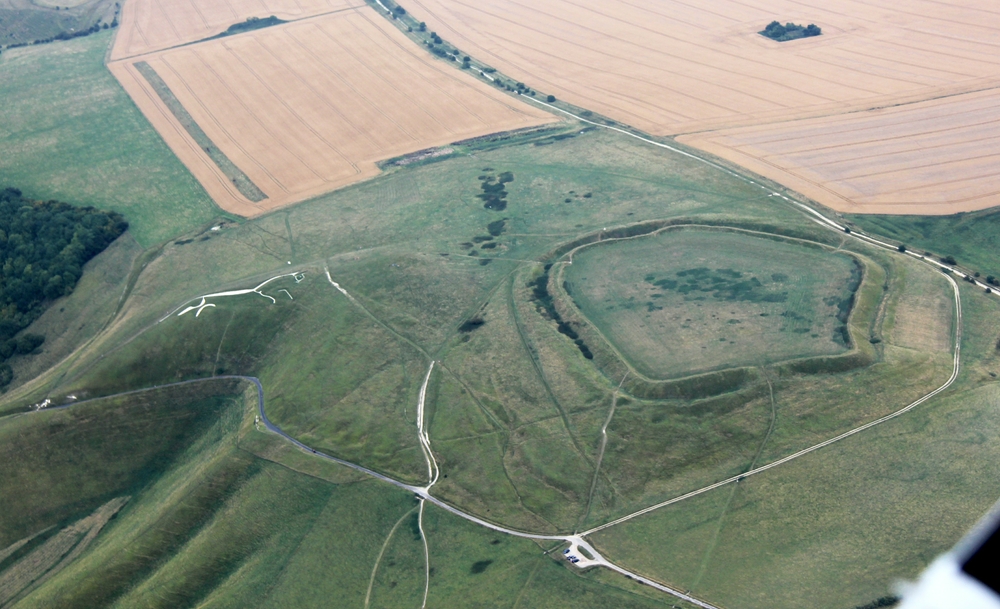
(43, 247)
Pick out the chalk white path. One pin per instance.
(432, 474)
(577, 542)
(336, 285)
(423, 436)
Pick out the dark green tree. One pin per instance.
(43, 247)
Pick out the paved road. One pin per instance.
(576, 541)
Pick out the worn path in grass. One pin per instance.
(578, 546)
(588, 556)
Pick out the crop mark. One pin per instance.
(239, 179)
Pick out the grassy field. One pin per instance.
(787, 537)
(972, 238)
(687, 301)
(514, 409)
(218, 526)
(23, 21)
(70, 133)
(46, 454)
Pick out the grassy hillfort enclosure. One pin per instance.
(154, 25)
(307, 107)
(422, 316)
(933, 157)
(535, 362)
(687, 301)
(676, 67)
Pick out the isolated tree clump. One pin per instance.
(789, 31)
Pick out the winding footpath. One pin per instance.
(578, 546)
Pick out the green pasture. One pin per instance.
(514, 409)
(211, 523)
(657, 450)
(71, 133)
(687, 301)
(67, 462)
(840, 526)
(24, 21)
(971, 238)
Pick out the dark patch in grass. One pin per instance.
(479, 566)
(543, 302)
(485, 261)
(564, 328)
(414, 522)
(481, 238)
(473, 323)
(722, 284)
(555, 138)
(497, 227)
(466, 245)
(885, 601)
(489, 246)
(494, 192)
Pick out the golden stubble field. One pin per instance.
(678, 67)
(153, 25)
(310, 106)
(934, 157)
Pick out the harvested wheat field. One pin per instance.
(934, 157)
(154, 25)
(677, 66)
(278, 115)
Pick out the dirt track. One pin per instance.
(311, 106)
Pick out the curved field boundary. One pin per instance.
(613, 364)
